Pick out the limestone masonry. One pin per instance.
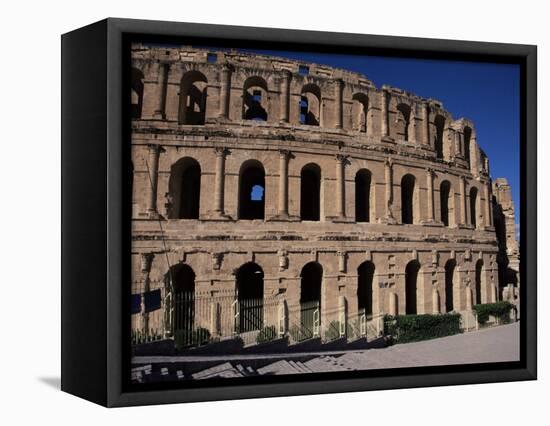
(269, 192)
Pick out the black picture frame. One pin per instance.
(95, 215)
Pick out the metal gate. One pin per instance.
(310, 319)
(249, 315)
(184, 316)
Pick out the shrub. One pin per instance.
(413, 328)
(266, 334)
(197, 337)
(500, 310)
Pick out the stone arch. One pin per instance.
(479, 282)
(446, 203)
(310, 105)
(184, 185)
(255, 99)
(365, 278)
(360, 110)
(310, 192)
(136, 77)
(364, 194)
(251, 190)
(249, 287)
(451, 281)
(439, 123)
(403, 120)
(193, 93)
(311, 282)
(474, 207)
(467, 140)
(411, 287)
(409, 200)
(180, 286)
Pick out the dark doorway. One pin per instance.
(136, 93)
(183, 198)
(407, 199)
(449, 285)
(362, 196)
(310, 193)
(250, 296)
(467, 138)
(479, 271)
(193, 93)
(365, 276)
(473, 206)
(252, 191)
(182, 280)
(439, 123)
(444, 192)
(411, 278)
(310, 300)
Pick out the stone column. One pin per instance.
(430, 180)
(219, 182)
(160, 108)
(412, 125)
(283, 182)
(340, 186)
(338, 92)
(384, 129)
(225, 88)
(393, 309)
(435, 302)
(146, 261)
(426, 124)
(463, 201)
(152, 176)
(285, 96)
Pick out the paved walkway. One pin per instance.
(497, 344)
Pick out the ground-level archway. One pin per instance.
(311, 279)
(250, 298)
(180, 283)
(411, 286)
(365, 276)
(450, 268)
(478, 281)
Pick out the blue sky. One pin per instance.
(486, 93)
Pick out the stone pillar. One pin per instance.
(283, 182)
(146, 261)
(463, 201)
(388, 174)
(435, 302)
(152, 172)
(225, 88)
(338, 92)
(430, 181)
(340, 186)
(458, 144)
(384, 113)
(426, 124)
(285, 96)
(342, 315)
(282, 317)
(393, 304)
(468, 298)
(412, 125)
(160, 108)
(219, 182)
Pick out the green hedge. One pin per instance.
(197, 337)
(500, 310)
(413, 328)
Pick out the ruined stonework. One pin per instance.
(505, 226)
(271, 192)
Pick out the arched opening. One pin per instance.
(255, 99)
(411, 287)
(479, 278)
(183, 198)
(403, 121)
(444, 197)
(252, 190)
(467, 138)
(362, 195)
(473, 206)
(365, 276)
(180, 282)
(311, 279)
(250, 297)
(439, 123)
(310, 105)
(360, 110)
(310, 192)
(136, 78)
(193, 92)
(449, 284)
(407, 199)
